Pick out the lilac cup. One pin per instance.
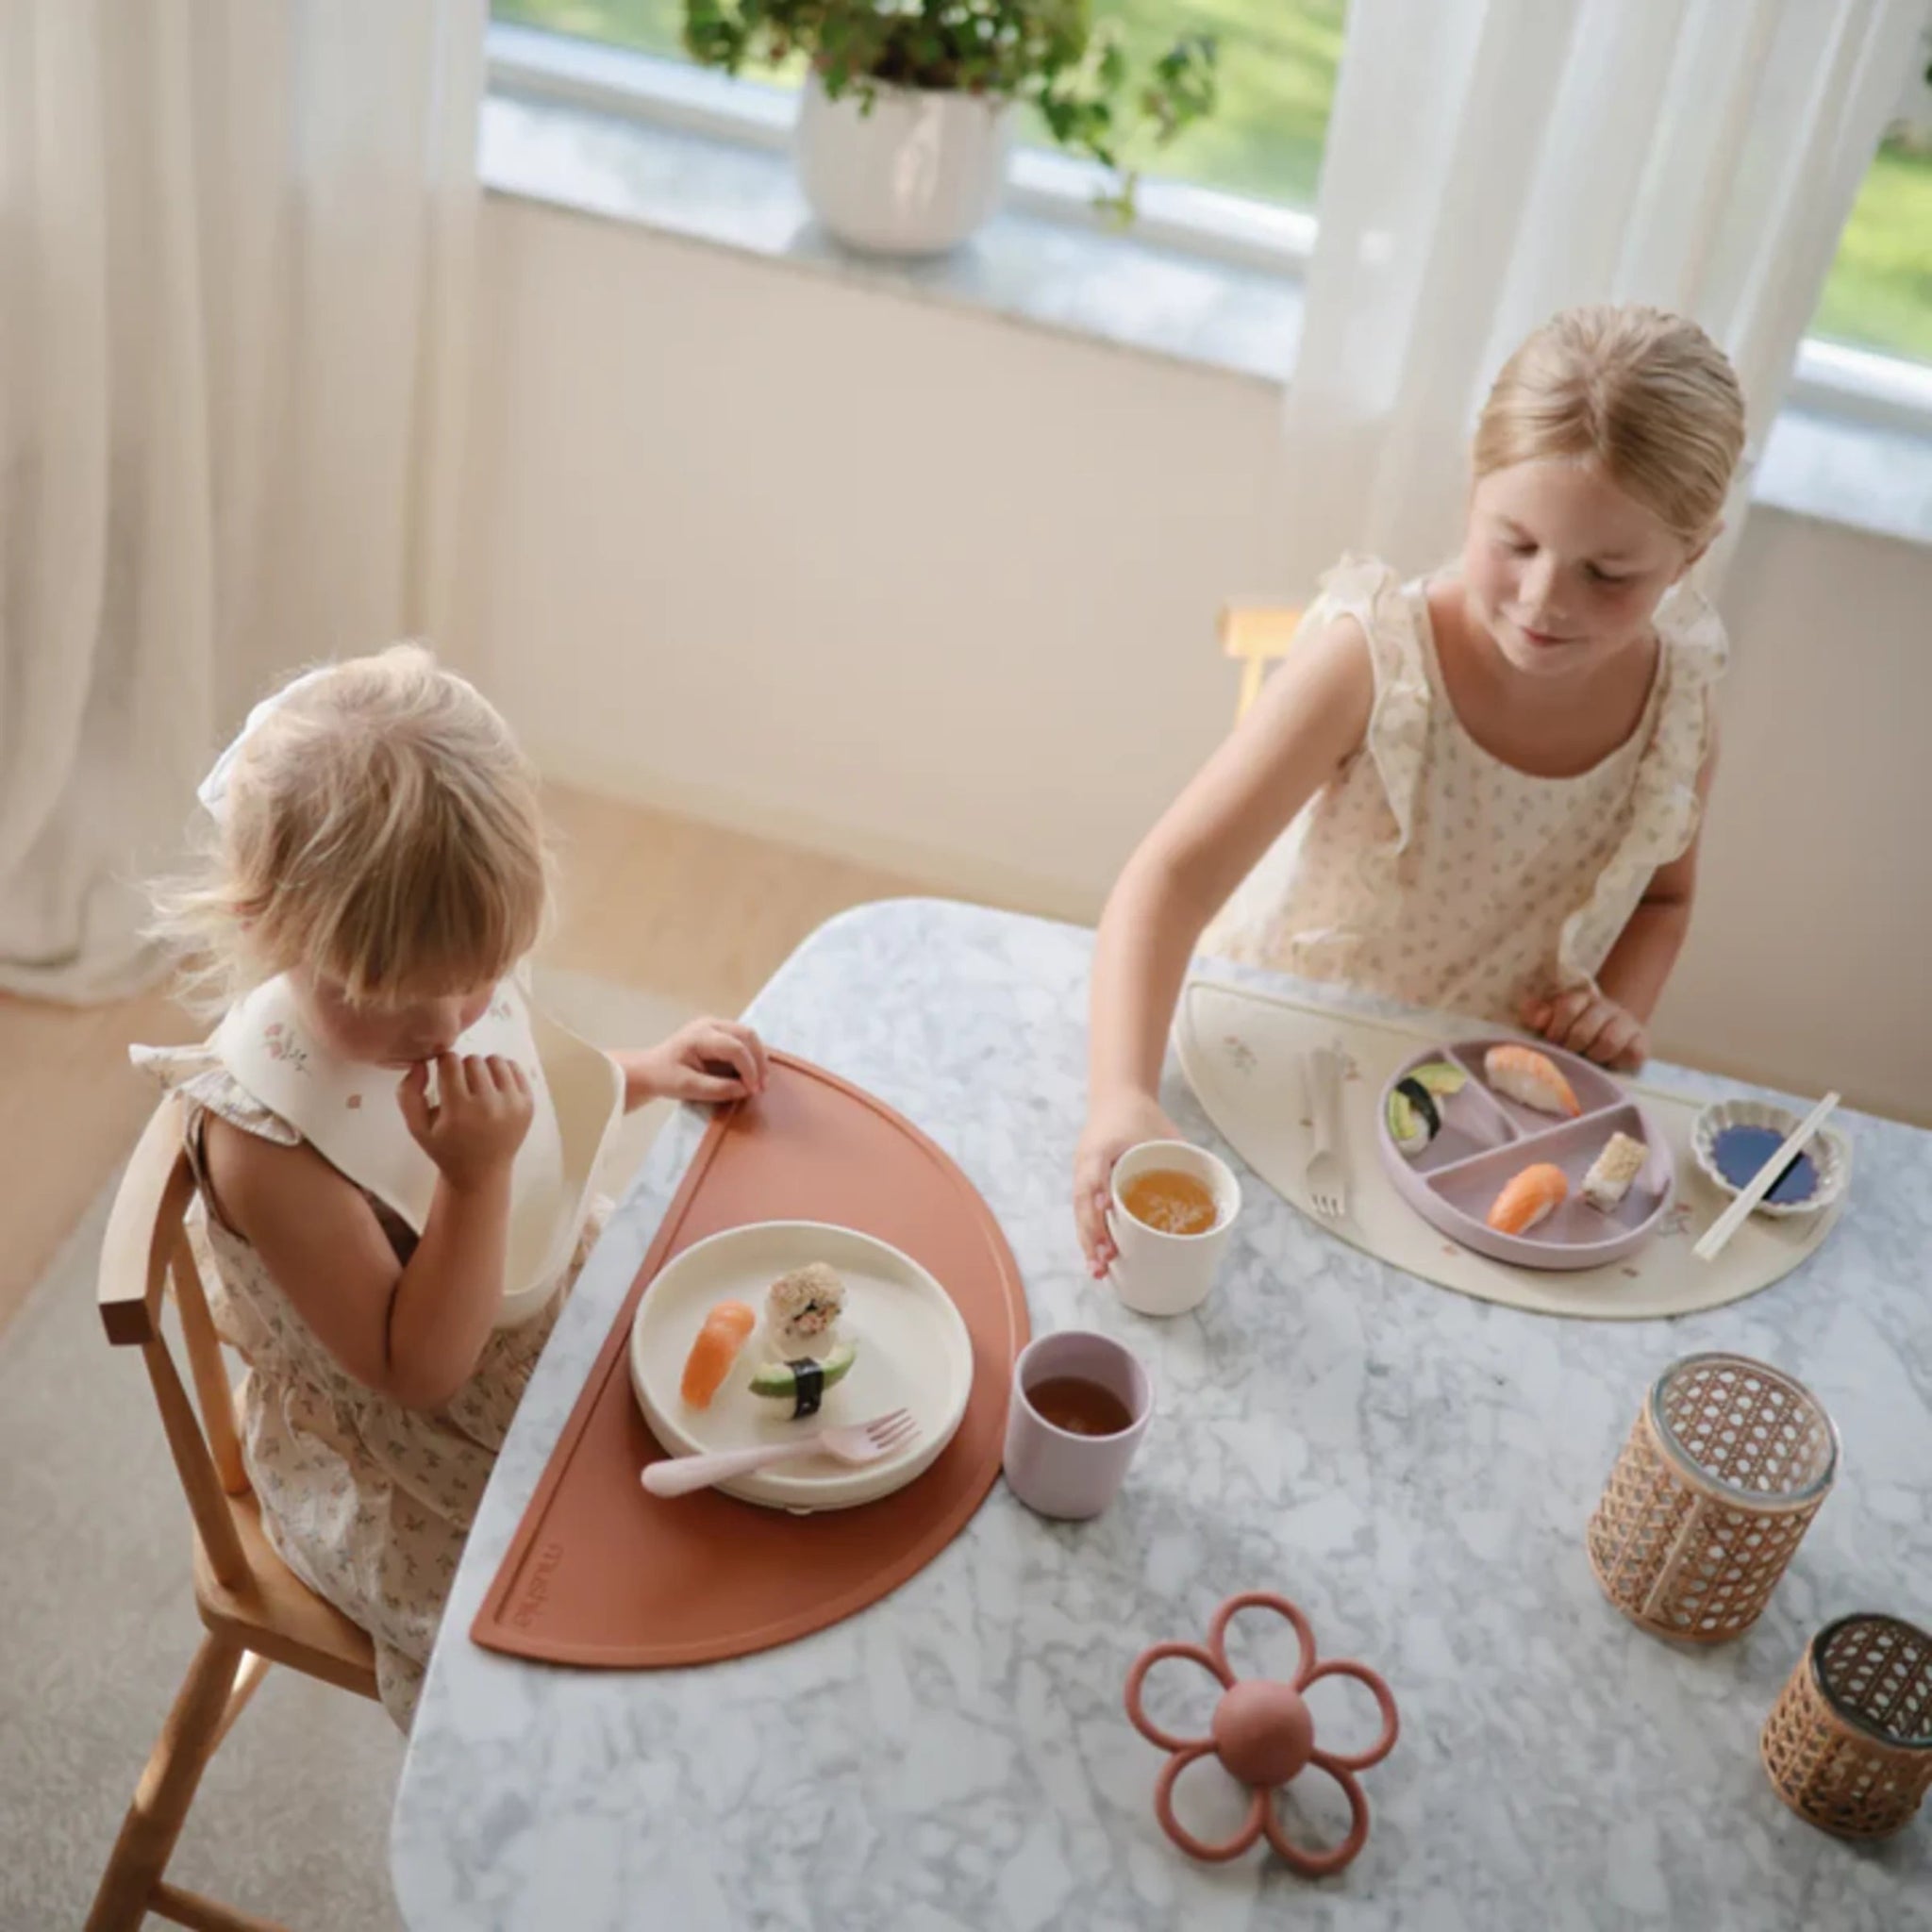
(1052, 1470)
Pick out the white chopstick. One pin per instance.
(1766, 1178)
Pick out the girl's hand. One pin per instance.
(1586, 1022)
(709, 1060)
(482, 1114)
(1112, 1127)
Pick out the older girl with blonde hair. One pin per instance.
(394, 1148)
(1481, 791)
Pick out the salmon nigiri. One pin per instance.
(726, 1330)
(1534, 1195)
(1530, 1078)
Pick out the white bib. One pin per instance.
(347, 1111)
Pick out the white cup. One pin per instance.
(1159, 1273)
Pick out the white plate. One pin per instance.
(914, 1353)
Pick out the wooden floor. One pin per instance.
(691, 911)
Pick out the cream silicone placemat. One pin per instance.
(1243, 1054)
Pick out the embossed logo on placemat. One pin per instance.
(537, 1591)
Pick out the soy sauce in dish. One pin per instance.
(1740, 1152)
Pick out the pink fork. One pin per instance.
(854, 1442)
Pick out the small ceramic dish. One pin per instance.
(1830, 1153)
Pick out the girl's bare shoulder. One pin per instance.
(259, 1185)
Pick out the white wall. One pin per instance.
(1809, 958)
(931, 588)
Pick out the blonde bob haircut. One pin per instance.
(381, 829)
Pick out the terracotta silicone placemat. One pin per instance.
(602, 1573)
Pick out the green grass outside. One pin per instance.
(1278, 59)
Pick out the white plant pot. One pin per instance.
(917, 175)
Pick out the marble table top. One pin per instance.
(1415, 1468)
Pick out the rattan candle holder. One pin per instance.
(1848, 1743)
(1724, 1468)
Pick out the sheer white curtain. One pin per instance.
(234, 250)
(1490, 161)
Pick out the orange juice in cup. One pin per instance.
(1173, 1208)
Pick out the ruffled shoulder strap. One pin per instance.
(1365, 588)
(1368, 591)
(197, 1074)
(1698, 650)
(1665, 811)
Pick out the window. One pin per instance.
(1879, 293)
(1277, 75)
(1277, 67)
(650, 27)
(1278, 62)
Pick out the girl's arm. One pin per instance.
(1609, 1024)
(1311, 715)
(411, 1332)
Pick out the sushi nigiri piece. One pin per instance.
(801, 1311)
(1414, 1116)
(803, 1383)
(1534, 1195)
(1613, 1171)
(726, 1330)
(1531, 1078)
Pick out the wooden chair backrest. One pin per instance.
(1255, 635)
(144, 1253)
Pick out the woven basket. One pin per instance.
(1849, 1741)
(1724, 1468)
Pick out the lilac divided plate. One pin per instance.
(1487, 1140)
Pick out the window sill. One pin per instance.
(1837, 470)
(1836, 454)
(1124, 289)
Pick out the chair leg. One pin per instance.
(203, 1914)
(255, 1667)
(167, 1786)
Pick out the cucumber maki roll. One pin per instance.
(1415, 1115)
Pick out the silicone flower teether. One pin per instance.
(1264, 1735)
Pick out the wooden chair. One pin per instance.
(1255, 635)
(256, 1610)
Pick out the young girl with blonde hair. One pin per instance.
(1480, 791)
(395, 1149)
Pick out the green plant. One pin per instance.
(1046, 51)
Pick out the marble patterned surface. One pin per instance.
(1414, 1467)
